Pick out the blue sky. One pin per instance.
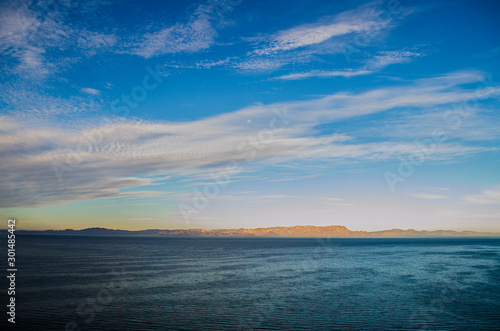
(234, 113)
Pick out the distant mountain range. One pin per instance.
(309, 231)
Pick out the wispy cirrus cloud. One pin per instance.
(353, 21)
(341, 202)
(261, 64)
(93, 42)
(38, 41)
(478, 122)
(89, 90)
(378, 62)
(306, 35)
(24, 36)
(133, 153)
(324, 74)
(383, 59)
(303, 44)
(197, 34)
(487, 197)
(40, 37)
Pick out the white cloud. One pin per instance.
(330, 35)
(365, 18)
(261, 64)
(199, 33)
(209, 64)
(447, 122)
(91, 91)
(17, 22)
(92, 42)
(384, 59)
(375, 64)
(487, 197)
(308, 35)
(341, 202)
(42, 39)
(334, 199)
(100, 161)
(324, 74)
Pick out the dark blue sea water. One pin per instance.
(154, 283)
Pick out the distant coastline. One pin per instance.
(299, 231)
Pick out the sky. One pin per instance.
(236, 113)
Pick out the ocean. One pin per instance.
(172, 283)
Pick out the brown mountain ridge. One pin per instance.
(298, 231)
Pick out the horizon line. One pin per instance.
(284, 231)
